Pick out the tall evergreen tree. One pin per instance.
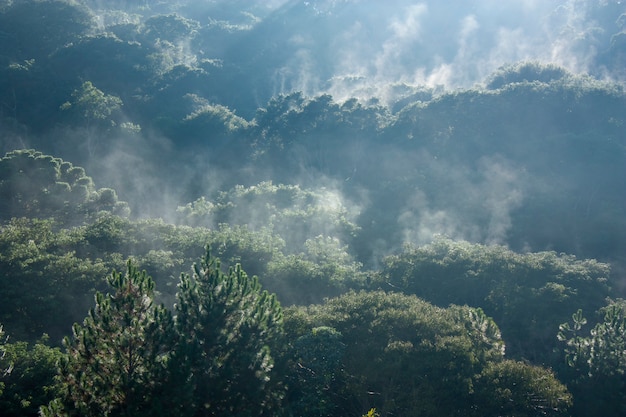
(115, 363)
(597, 362)
(226, 323)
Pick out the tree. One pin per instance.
(115, 363)
(325, 270)
(597, 361)
(36, 185)
(294, 213)
(528, 294)
(95, 111)
(222, 123)
(92, 104)
(512, 388)
(225, 324)
(405, 356)
(28, 375)
(116, 66)
(316, 358)
(401, 354)
(44, 285)
(31, 32)
(525, 72)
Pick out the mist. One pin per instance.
(216, 95)
(374, 168)
(364, 48)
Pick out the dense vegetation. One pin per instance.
(435, 253)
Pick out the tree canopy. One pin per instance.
(131, 357)
(528, 295)
(400, 354)
(440, 213)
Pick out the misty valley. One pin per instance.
(320, 208)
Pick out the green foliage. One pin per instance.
(528, 295)
(317, 361)
(400, 354)
(562, 131)
(65, 75)
(214, 119)
(597, 361)
(407, 357)
(294, 118)
(110, 233)
(130, 357)
(116, 361)
(225, 323)
(94, 115)
(40, 186)
(297, 135)
(28, 375)
(35, 32)
(576, 345)
(297, 280)
(525, 72)
(253, 248)
(553, 149)
(44, 285)
(511, 388)
(92, 104)
(48, 275)
(293, 213)
(324, 269)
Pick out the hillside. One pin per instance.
(430, 216)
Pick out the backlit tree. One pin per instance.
(225, 323)
(115, 363)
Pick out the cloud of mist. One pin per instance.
(366, 49)
(474, 204)
(296, 214)
(149, 175)
(299, 73)
(363, 48)
(502, 192)
(458, 44)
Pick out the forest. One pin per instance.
(234, 208)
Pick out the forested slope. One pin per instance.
(417, 250)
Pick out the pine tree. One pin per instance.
(597, 361)
(115, 363)
(225, 323)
